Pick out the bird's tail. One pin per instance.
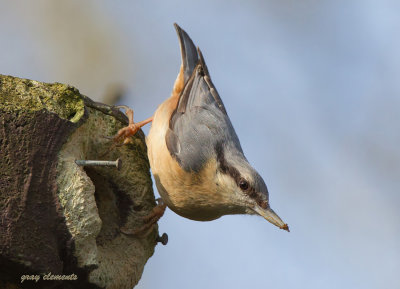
(189, 57)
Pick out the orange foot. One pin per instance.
(124, 133)
(149, 220)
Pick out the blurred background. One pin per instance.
(313, 90)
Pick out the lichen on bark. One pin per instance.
(25, 96)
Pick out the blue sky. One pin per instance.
(312, 90)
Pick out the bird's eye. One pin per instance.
(244, 185)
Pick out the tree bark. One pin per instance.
(58, 219)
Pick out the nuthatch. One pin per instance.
(195, 155)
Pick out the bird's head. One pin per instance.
(242, 184)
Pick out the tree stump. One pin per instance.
(59, 222)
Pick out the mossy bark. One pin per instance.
(57, 217)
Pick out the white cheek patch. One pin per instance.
(228, 188)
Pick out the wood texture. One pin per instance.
(57, 217)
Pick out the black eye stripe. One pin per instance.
(233, 172)
(223, 164)
(253, 195)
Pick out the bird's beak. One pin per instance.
(271, 217)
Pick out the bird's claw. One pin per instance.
(122, 106)
(124, 134)
(149, 220)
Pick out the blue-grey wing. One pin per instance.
(199, 123)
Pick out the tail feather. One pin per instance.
(188, 53)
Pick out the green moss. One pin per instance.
(24, 96)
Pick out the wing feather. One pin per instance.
(199, 122)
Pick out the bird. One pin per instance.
(198, 164)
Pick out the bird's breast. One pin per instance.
(189, 194)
